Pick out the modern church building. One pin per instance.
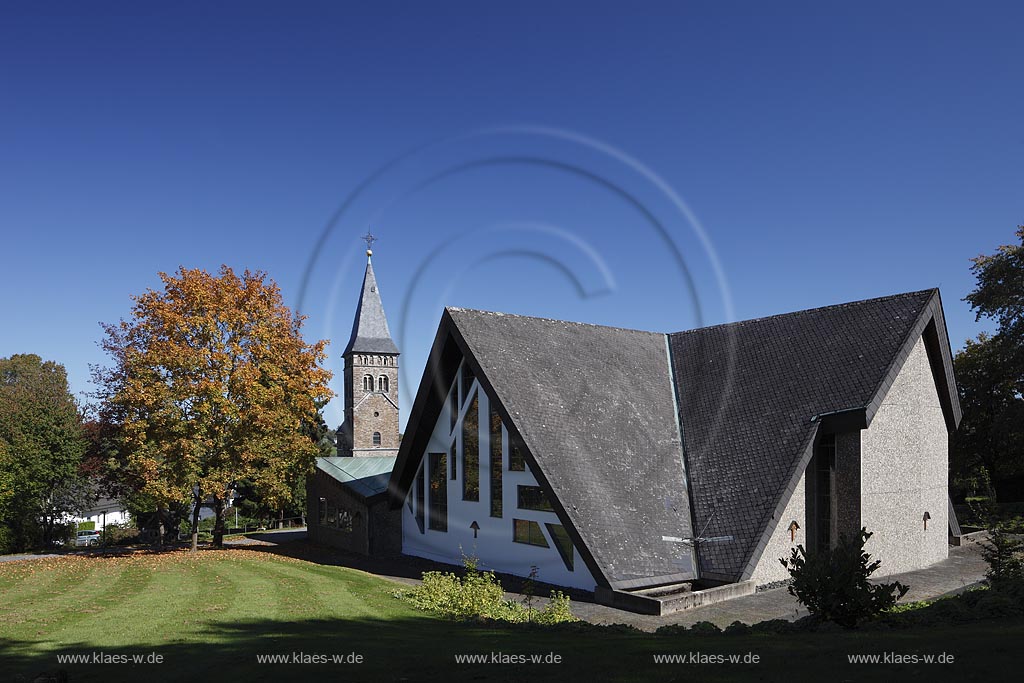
(649, 468)
(635, 463)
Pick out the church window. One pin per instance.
(453, 406)
(534, 498)
(451, 458)
(344, 520)
(438, 492)
(467, 379)
(471, 453)
(382, 384)
(496, 463)
(418, 503)
(376, 438)
(528, 531)
(562, 541)
(367, 383)
(332, 515)
(321, 510)
(516, 461)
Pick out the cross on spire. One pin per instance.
(369, 239)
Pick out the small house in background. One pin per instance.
(101, 513)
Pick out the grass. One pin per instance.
(209, 614)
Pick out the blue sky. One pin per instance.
(604, 162)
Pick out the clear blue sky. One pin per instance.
(831, 153)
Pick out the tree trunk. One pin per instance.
(161, 519)
(218, 525)
(280, 518)
(196, 502)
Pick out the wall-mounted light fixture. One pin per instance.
(475, 527)
(793, 528)
(926, 518)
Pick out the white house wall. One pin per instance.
(904, 456)
(493, 544)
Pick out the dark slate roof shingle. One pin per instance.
(595, 409)
(370, 333)
(748, 392)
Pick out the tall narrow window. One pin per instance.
(418, 495)
(824, 478)
(453, 405)
(438, 492)
(382, 384)
(562, 541)
(496, 462)
(471, 453)
(321, 509)
(376, 438)
(367, 383)
(452, 458)
(516, 461)
(467, 379)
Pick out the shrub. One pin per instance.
(120, 534)
(1004, 554)
(479, 595)
(705, 628)
(833, 584)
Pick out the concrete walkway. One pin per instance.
(964, 568)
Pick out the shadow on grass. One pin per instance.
(426, 649)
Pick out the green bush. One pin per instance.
(833, 584)
(1004, 553)
(120, 534)
(479, 595)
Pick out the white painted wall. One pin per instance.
(904, 471)
(493, 546)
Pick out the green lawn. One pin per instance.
(211, 613)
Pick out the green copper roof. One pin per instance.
(366, 476)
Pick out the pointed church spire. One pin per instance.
(370, 332)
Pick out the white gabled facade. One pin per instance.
(493, 541)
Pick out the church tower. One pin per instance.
(371, 376)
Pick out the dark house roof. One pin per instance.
(370, 332)
(602, 412)
(754, 394)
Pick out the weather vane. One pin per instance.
(369, 239)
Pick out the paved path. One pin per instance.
(963, 568)
(28, 556)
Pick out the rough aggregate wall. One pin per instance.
(904, 472)
(768, 568)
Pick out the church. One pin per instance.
(659, 471)
(347, 495)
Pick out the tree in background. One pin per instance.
(41, 448)
(990, 375)
(211, 384)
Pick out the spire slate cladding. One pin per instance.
(370, 332)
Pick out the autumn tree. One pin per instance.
(211, 383)
(41, 448)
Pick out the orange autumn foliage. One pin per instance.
(211, 383)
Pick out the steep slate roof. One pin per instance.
(594, 408)
(370, 332)
(749, 393)
(367, 476)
